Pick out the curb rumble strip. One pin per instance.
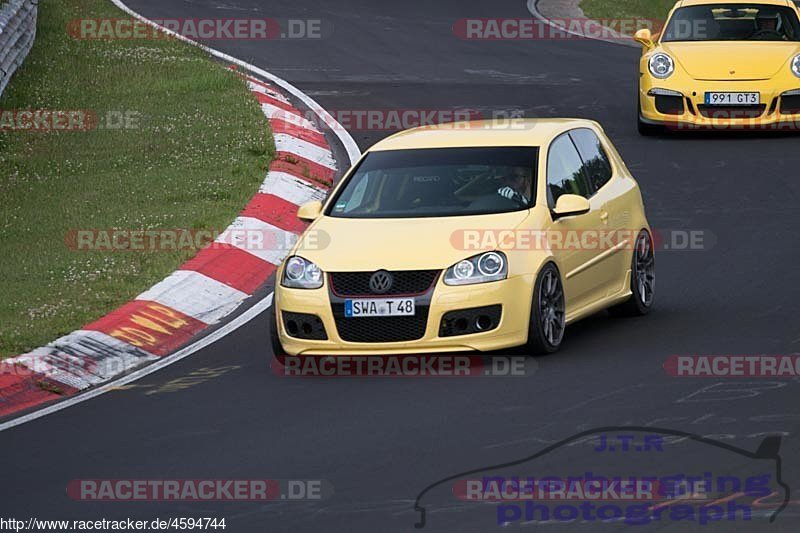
(205, 289)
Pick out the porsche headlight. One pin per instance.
(490, 266)
(796, 66)
(301, 273)
(661, 66)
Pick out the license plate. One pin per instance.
(733, 98)
(379, 307)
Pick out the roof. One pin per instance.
(503, 132)
(688, 3)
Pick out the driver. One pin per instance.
(768, 23)
(517, 185)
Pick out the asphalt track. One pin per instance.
(379, 442)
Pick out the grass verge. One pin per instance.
(181, 143)
(624, 9)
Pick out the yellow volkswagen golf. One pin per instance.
(474, 236)
(729, 63)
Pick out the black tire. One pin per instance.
(643, 279)
(548, 307)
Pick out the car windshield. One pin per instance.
(439, 182)
(733, 22)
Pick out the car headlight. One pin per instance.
(661, 66)
(301, 273)
(491, 266)
(796, 66)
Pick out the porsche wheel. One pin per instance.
(548, 313)
(643, 279)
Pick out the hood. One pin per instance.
(747, 60)
(358, 244)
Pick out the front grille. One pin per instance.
(669, 105)
(731, 112)
(407, 282)
(790, 105)
(381, 329)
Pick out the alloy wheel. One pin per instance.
(644, 269)
(551, 307)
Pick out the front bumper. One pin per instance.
(514, 294)
(679, 104)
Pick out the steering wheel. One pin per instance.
(767, 35)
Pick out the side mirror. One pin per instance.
(645, 37)
(570, 205)
(310, 212)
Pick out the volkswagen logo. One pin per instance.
(381, 282)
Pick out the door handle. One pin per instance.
(604, 216)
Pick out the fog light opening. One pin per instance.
(291, 327)
(461, 324)
(307, 329)
(483, 323)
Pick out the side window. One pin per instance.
(358, 194)
(595, 160)
(564, 171)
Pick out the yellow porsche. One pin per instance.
(722, 64)
(474, 236)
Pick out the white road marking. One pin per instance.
(305, 149)
(291, 189)
(196, 295)
(256, 88)
(259, 238)
(274, 112)
(84, 358)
